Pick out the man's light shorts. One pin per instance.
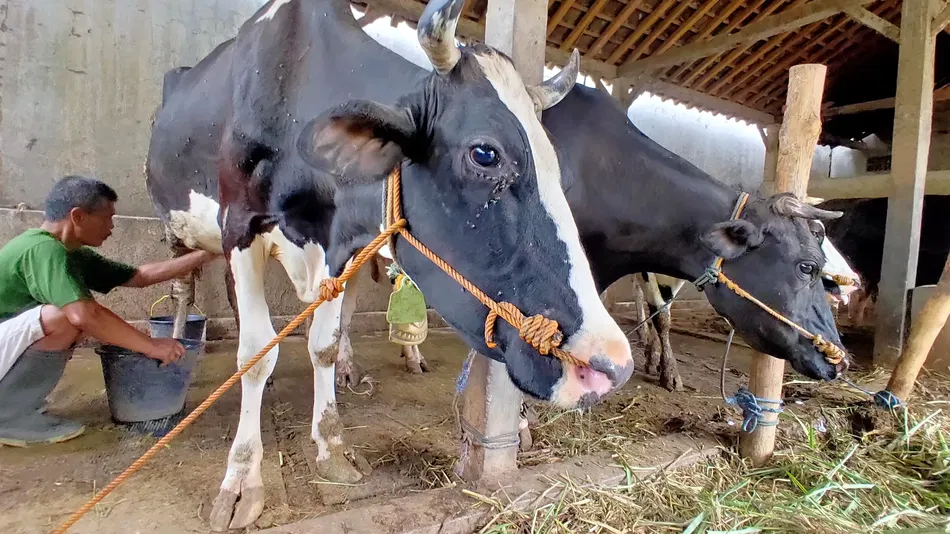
(16, 334)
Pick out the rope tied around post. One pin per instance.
(753, 413)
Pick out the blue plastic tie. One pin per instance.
(752, 411)
(462, 378)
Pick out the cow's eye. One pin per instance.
(484, 155)
(807, 268)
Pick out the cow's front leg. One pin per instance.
(241, 498)
(347, 373)
(335, 462)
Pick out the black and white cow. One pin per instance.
(641, 208)
(658, 289)
(278, 143)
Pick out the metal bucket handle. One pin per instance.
(151, 310)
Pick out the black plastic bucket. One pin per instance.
(138, 389)
(162, 326)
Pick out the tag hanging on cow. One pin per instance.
(406, 314)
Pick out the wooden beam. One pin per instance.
(783, 22)
(657, 31)
(770, 136)
(723, 15)
(941, 20)
(583, 24)
(686, 26)
(797, 139)
(558, 15)
(913, 116)
(642, 27)
(615, 25)
(468, 29)
(876, 185)
(885, 103)
(490, 402)
(709, 102)
(876, 23)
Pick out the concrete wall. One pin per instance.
(81, 79)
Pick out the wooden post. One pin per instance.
(491, 403)
(796, 147)
(913, 114)
(930, 321)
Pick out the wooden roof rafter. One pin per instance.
(727, 55)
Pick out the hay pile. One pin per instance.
(844, 468)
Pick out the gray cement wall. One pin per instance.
(81, 79)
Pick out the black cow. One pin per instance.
(641, 208)
(278, 144)
(860, 237)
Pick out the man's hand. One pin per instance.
(166, 350)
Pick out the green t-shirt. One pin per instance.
(36, 268)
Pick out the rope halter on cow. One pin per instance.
(833, 353)
(540, 332)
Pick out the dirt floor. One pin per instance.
(404, 426)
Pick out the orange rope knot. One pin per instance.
(843, 280)
(514, 314)
(330, 288)
(833, 353)
(541, 333)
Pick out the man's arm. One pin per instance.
(154, 273)
(97, 321)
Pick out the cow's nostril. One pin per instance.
(605, 366)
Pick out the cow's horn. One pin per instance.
(553, 90)
(789, 205)
(436, 31)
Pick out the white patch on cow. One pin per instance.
(244, 461)
(272, 10)
(596, 321)
(304, 266)
(835, 264)
(384, 251)
(197, 226)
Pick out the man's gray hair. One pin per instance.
(87, 194)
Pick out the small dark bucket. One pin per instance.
(138, 389)
(162, 326)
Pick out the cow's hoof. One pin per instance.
(224, 514)
(347, 374)
(675, 384)
(340, 469)
(416, 364)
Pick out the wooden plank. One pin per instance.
(642, 27)
(686, 26)
(469, 29)
(656, 32)
(941, 20)
(770, 135)
(615, 25)
(911, 147)
(707, 31)
(884, 103)
(491, 403)
(558, 15)
(583, 24)
(729, 58)
(876, 23)
(692, 96)
(797, 139)
(783, 22)
(876, 185)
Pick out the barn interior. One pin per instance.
(80, 79)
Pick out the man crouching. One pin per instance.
(47, 276)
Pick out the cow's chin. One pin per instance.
(814, 366)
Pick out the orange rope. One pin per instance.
(540, 332)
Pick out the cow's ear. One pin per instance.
(731, 239)
(361, 141)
